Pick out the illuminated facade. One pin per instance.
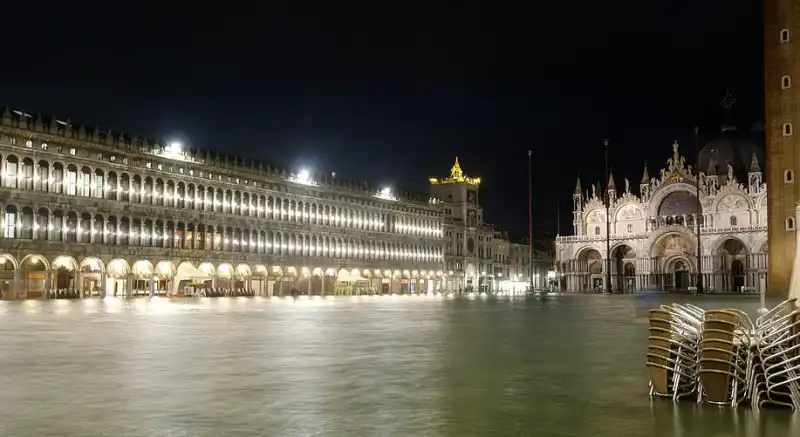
(516, 268)
(106, 214)
(468, 241)
(653, 235)
(781, 69)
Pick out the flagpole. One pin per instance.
(699, 217)
(608, 224)
(530, 221)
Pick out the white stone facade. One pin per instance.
(101, 213)
(653, 238)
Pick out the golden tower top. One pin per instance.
(457, 176)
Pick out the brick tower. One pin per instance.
(782, 121)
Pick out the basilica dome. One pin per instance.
(731, 147)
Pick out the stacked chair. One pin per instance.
(777, 367)
(723, 358)
(672, 351)
(724, 366)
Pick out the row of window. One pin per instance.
(786, 83)
(83, 182)
(734, 222)
(125, 231)
(170, 165)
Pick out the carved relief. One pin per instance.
(732, 202)
(676, 243)
(596, 216)
(630, 212)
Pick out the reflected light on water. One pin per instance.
(434, 365)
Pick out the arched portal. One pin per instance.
(164, 274)
(91, 277)
(624, 270)
(65, 275)
(590, 270)
(731, 261)
(119, 282)
(34, 270)
(143, 272)
(8, 286)
(671, 251)
(680, 274)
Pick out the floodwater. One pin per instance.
(368, 366)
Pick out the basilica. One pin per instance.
(649, 241)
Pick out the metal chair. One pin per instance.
(671, 353)
(778, 345)
(724, 366)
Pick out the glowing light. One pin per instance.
(386, 194)
(303, 177)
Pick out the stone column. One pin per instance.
(79, 282)
(129, 286)
(18, 278)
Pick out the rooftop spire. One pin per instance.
(455, 170)
(645, 175)
(611, 185)
(754, 167)
(578, 189)
(457, 176)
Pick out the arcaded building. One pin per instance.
(782, 115)
(654, 239)
(107, 214)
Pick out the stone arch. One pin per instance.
(7, 258)
(36, 279)
(225, 271)
(595, 216)
(660, 233)
(94, 263)
(165, 269)
(623, 255)
(64, 270)
(64, 261)
(761, 201)
(678, 263)
(721, 242)
(732, 201)
(628, 211)
(732, 254)
(34, 259)
(8, 269)
(93, 274)
(677, 203)
(243, 272)
(665, 190)
(118, 268)
(142, 269)
(208, 269)
(672, 242)
(583, 250)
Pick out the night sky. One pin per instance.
(391, 94)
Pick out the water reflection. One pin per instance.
(394, 365)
